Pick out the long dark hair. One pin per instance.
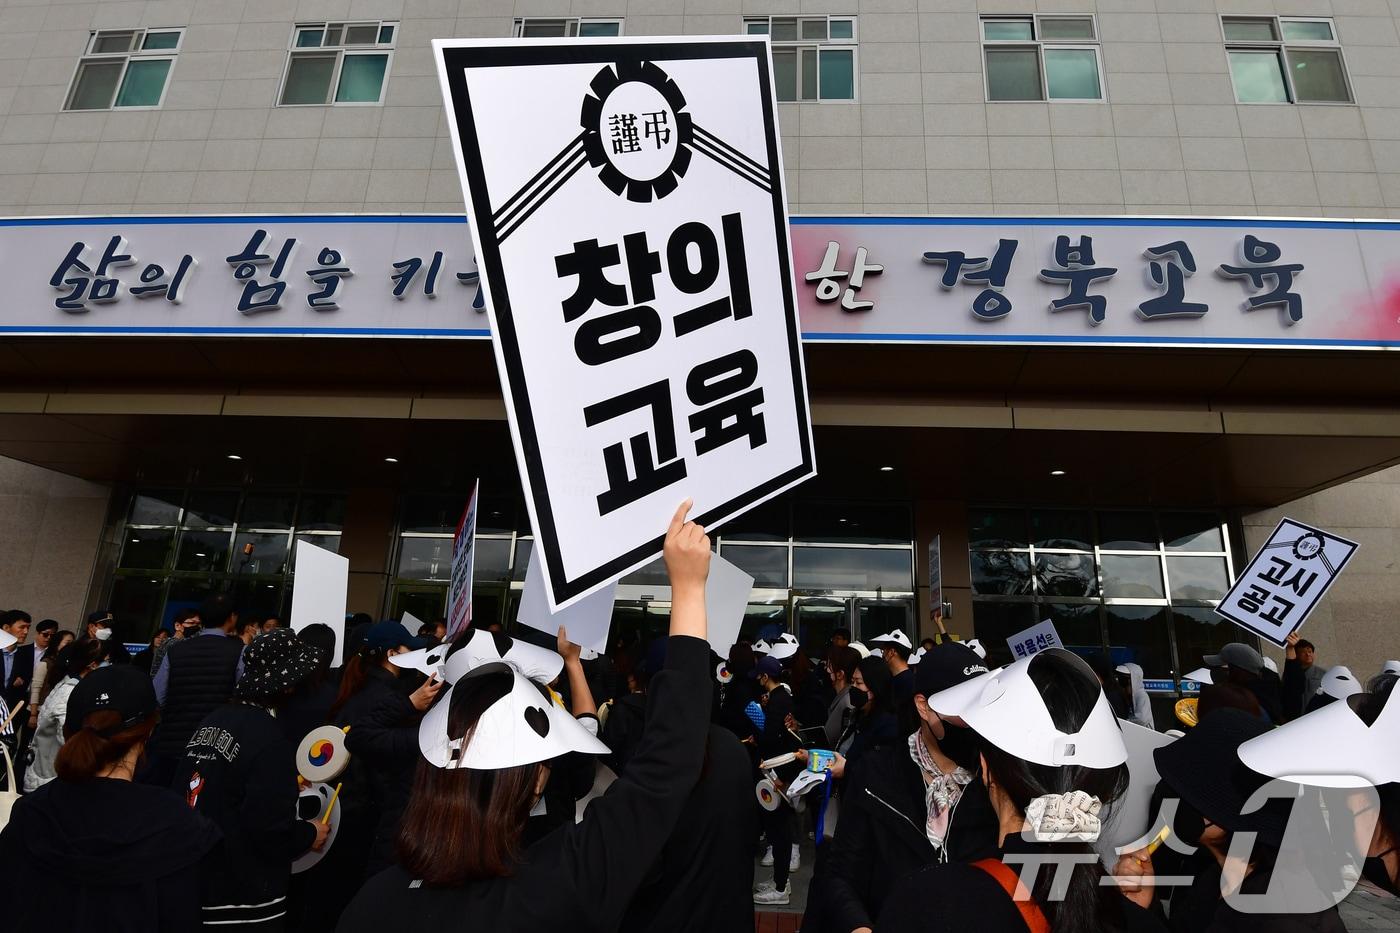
(70, 662)
(1070, 694)
(876, 674)
(463, 824)
(355, 675)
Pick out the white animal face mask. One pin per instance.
(524, 726)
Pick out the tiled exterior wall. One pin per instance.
(53, 525)
(1170, 138)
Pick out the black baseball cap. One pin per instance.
(766, 665)
(120, 688)
(946, 665)
(391, 634)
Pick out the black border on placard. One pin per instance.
(1259, 555)
(456, 62)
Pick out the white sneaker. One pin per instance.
(795, 862)
(767, 894)
(767, 860)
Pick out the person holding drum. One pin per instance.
(237, 771)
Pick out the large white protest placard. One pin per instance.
(587, 620)
(1278, 590)
(726, 601)
(459, 590)
(1034, 640)
(626, 202)
(1130, 818)
(319, 586)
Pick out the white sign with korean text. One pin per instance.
(459, 590)
(320, 583)
(1275, 594)
(626, 203)
(1034, 640)
(1224, 282)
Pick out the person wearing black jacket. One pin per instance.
(1051, 754)
(462, 863)
(701, 884)
(195, 677)
(240, 771)
(92, 850)
(383, 744)
(774, 739)
(886, 830)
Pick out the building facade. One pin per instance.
(1113, 485)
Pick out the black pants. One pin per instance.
(777, 825)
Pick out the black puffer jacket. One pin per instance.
(880, 837)
(383, 745)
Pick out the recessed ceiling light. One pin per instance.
(886, 469)
(841, 520)
(234, 457)
(199, 555)
(391, 459)
(1057, 472)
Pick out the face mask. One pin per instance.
(858, 698)
(1189, 825)
(103, 634)
(958, 744)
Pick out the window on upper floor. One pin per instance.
(583, 27)
(124, 68)
(1285, 59)
(338, 63)
(1051, 57)
(814, 57)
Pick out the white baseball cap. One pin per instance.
(916, 657)
(1006, 708)
(762, 647)
(861, 650)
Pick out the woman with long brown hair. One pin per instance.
(92, 850)
(488, 744)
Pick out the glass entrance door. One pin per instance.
(875, 617)
(816, 617)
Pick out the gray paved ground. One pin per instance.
(1366, 909)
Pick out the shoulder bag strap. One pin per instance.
(1011, 883)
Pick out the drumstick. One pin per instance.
(327, 818)
(13, 713)
(1157, 840)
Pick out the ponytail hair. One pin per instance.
(1069, 695)
(356, 672)
(93, 748)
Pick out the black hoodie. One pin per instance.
(103, 855)
(881, 837)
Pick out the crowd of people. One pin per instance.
(495, 784)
